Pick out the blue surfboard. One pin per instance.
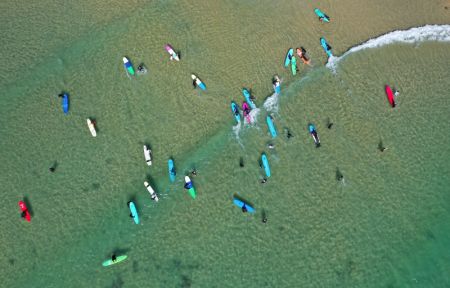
(326, 47)
(65, 103)
(134, 212)
(235, 110)
(172, 171)
(322, 15)
(271, 126)
(248, 99)
(241, 204)
(288, 57)
(265, 164)
(276, 88)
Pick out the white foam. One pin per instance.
(254, 115)
(271, 103)
(439, 33)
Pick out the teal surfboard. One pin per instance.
(248, 98)
(326, 47)
(265, 164)
(271, 126)
(288, 57)
(134, 212)
(172, 171)
(235, 110)
(110, 262)
(241, 204)
(321, 15)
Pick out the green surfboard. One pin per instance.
(109, 262)
(294, 65)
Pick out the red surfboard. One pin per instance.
(390, 96)
(24, 209)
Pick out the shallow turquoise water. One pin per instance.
(385, 226)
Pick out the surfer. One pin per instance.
(194, 83)
(329, 123)
(276, 81)
(141, 69)
(301, 52)
(244, 209)
(339, 176)
(289, 134)
(113, 258)
(53, 167)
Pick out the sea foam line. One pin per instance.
(440, 33)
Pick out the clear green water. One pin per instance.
(385, 226)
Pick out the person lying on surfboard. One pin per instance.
(301, 52)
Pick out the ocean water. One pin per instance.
(384, 225)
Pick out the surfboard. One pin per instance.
(199, 82)
(246, 112)
(172, 171)
(326, 47)
(148, 155)
(65, 103)
(151, 191)
(271, 126)
(314, 135)
(248, 98)
(190, 187)
(24, 209)
(91, 126)
(235, 111)
(288, 57)
(390, 96)
(240, 204)
(294, 65)
(321, 15)
(134, 213)
(128, 66)
(109, 262)
(265, 163)
(172, 52)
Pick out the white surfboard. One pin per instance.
(151, 191)
(91, 127)
(197, 81)
(148, 155)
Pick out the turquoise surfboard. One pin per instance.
(265, 164)
(172, 171)
(271, 126)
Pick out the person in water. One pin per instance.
(194, 172)
(289, 134)
(241, 162)
(276, 81)
(396, 93)
(264, 220)
(271, 146)
(51, 169)
(263, 181)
